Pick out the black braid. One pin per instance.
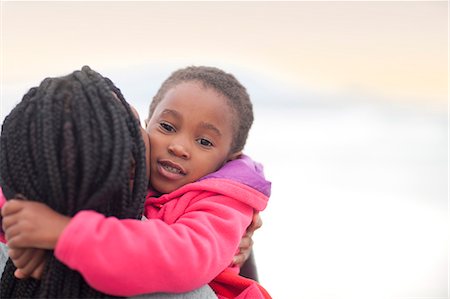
(69, 144)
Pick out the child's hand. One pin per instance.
(28, 261)
(32, 224)
(245, 247)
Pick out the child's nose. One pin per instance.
(179, 150)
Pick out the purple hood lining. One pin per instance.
(243, 170)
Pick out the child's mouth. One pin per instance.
(170, 170)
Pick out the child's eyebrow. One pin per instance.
(210, 127)
(173, 112)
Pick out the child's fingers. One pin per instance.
(34, 263)
(29, 261)
(37, 273)
(8, 221)
(15, 253)
(16, 240)
(246, 243)
(238, 260)
(11, 206)
(13, 236)
(256, 222)
(19, 274)
(245, 247)
(22, 259)
(10, 214)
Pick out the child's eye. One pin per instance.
(204, 142)
(167, 127)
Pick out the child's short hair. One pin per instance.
(225, 84)
(69, 144)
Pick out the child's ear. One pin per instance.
(234, 156)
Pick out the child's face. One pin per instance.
(190, 136)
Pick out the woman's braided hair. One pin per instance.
(70, 143)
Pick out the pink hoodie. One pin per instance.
(191, 236)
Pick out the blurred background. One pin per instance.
(351, 120)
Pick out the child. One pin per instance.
(204, 193)
(81, 124)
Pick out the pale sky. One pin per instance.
(369, 213)
(397, 50)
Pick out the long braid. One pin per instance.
(28, 117)
(69, 144)
(133, 202)
(50, 138)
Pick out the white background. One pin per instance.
(351, 120)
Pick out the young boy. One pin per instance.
(203, 194)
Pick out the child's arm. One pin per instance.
(128, 257)
(31, 264)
